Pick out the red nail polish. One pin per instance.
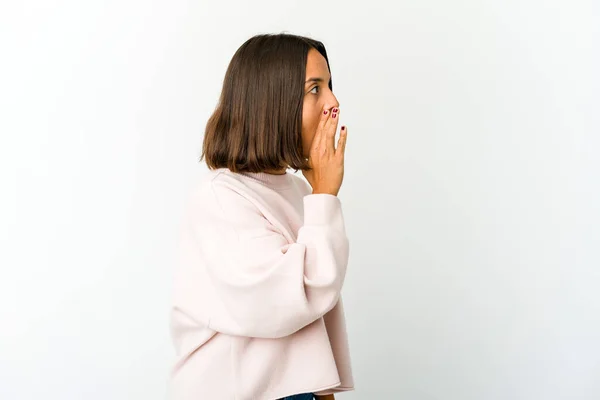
(343, 127)
(325, 112)
(333, 115)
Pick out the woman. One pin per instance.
(257, 312)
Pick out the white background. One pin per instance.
(472, 189)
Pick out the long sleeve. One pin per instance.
(257, 283)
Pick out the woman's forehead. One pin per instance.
(316, 66)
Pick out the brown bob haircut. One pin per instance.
(257, 124)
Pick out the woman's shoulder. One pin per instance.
(256, 182)
(218, 180)
(222, 183)
(215, 193)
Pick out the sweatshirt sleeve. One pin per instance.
(261, 285)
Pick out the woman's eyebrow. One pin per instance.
(316, 79)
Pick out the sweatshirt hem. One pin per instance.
(334, 390)
(307, 391)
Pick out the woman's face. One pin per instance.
(317, 97)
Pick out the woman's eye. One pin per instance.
(311, 90)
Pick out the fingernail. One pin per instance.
(335, 110)
(325, 112)
(343, 127)
(333, 115)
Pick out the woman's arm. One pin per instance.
(256, 283)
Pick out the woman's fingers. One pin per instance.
(341, 146)
(331, 129)
(327, 161)
(318, 142)
(324, 139)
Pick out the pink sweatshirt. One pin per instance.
(257, 312)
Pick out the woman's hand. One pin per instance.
(327, 161)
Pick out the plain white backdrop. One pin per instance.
(471, 196)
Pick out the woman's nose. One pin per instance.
(332, 103)
(335, 102)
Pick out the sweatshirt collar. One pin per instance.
(273, 181)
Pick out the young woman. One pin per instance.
(257, 312)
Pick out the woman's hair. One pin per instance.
(257, 123)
